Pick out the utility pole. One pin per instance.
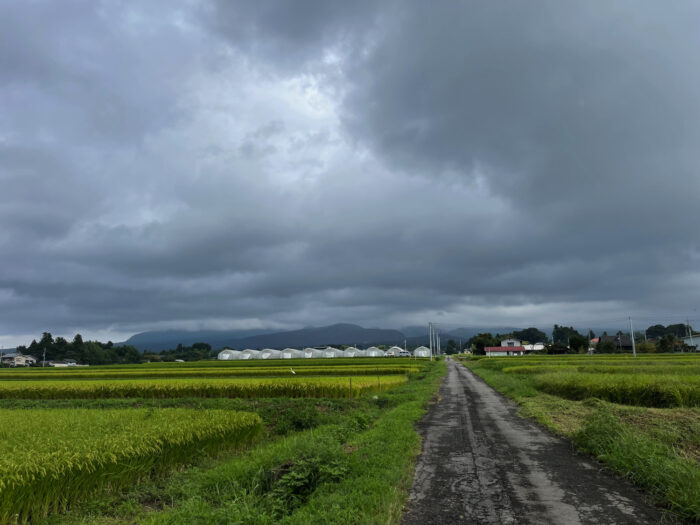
(430, 339)
(690, 332)
(634, 348)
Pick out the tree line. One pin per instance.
(98, 353)
(568, 340)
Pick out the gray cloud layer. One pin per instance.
(281, 164)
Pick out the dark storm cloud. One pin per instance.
(276, 163)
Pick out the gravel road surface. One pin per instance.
(481, 463)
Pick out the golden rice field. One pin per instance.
(648, 380)
(52, 458)
(198, 387)
(205, 372)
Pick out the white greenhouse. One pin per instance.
(373, 351)
(312, 353)
(332, 352)
(291, 353)
(227, 354)
(250, 354)
(353, 352)
(269, 353)
(422, 351)
(394, 351)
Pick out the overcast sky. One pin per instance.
(281, 164)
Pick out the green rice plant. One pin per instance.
(659, 391)
(168, 388)
(53, 458)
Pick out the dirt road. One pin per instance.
(481, 463)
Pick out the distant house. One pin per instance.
(692, 341)
(513, 347)
(510, 342)
(16, 359)
(537, 347)
(621, 342)
(64, 363)
(504, 350)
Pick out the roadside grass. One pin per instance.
(330, 461)
(656, 448)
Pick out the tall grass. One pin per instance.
(87, 450)
(647, 463)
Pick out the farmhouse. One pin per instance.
(621, 342)
(508, 347)
(504, 350)
(15, 359)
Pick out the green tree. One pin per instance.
(451, 347)
(606, 347)
(557, 348)
(646, 348)
(667, 343)
(562, 334)
(679, 330)
(480, 341)
(578, 343)
(531, 335)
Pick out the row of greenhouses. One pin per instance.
(228, 354)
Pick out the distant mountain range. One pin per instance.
(336, 334)
(342, 333)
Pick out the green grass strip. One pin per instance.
(355, 472)
(647, 463)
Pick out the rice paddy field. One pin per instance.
(223, 442)
(638, 415)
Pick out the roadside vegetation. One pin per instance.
(330, 459)
(640, 416)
